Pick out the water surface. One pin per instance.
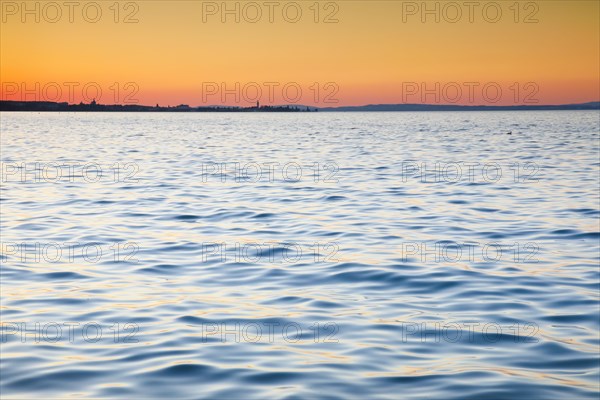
(334, 273)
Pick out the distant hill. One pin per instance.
(438, 107)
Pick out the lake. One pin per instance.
(300, 255)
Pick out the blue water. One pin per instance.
(375, 255)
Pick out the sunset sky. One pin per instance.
(377, 52)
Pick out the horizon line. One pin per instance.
(332, 107)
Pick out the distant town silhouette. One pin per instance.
(93, 106)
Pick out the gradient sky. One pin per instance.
(375, 53)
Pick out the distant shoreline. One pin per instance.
(47, 106)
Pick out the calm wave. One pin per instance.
(309, 255)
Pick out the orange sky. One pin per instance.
(377, 52)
